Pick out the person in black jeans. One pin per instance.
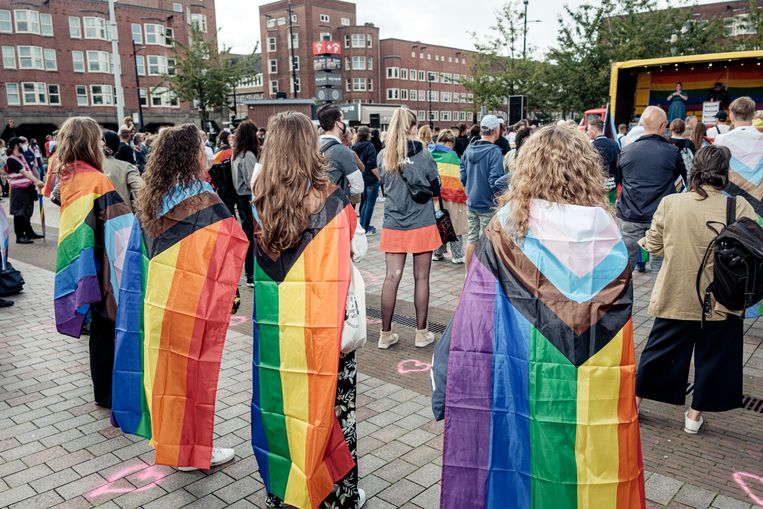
(367, 154)
(246, 149)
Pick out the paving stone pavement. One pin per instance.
(57, 449)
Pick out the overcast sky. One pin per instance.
(445, 22)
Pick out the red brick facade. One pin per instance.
(75, 86)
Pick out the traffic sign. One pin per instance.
(328, 79)
(327, 63)
(327, 48)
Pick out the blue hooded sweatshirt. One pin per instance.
(481, 167)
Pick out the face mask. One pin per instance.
(24, 147)
(344, 128)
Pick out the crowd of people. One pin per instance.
(549, 222)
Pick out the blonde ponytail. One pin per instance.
(396, 148)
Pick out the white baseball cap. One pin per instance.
(490, 123)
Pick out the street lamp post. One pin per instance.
(137, 85)
(291, 43)
(524, 37)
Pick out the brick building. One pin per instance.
(735, 15)
(57, 59)
(375, 71)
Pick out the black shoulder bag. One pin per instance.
(444, 224)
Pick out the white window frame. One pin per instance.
(9, 57)
(156, 65)
(98, 61)
(136, 35)
(294, 39)
(177, 7)
(106, 94)
(393, 73)
(298, 86)
(166, 98)
(52, 94)
(403, 94)
(445, 115)
(94, 28)
(358, 40)
(403, 73)
(140, 64)
(422, 75)
(6, 23)
(348, 85)
(325, 36)
(370, 84)
(32, 21)
(412, 75)
(157, 32)
(393, 94)
(281, 21)
(346, 40)
(273, 87)
(81, 62)
(435, 116)
(413, 94)
(272, 44)
(75, 27)
(49, 56)
(370, 63)
(271, 23)
(46, 22)
(199, 21)
(359, 85)
(81, 92)
(143, 97)
(421, 115)
(35, 56)
(325, 18)
(9, 94)
(40, 91)
(273, 66)
(359, 63)
(345, 22)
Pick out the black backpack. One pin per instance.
(737, 263)
(11, 281)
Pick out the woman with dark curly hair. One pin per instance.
(180, 274)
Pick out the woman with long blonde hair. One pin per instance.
(409, 226)
(542, 334)
(90, 251)
(425, 135)
(304, 387)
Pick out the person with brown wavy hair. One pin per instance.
(304, 228)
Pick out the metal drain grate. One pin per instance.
(406, 321)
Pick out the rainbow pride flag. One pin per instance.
(300, 299)
(746, 175)
(5, 234)
(740, 80)
(92, 238)
(540, 406)
(449, 167)
(176, 299)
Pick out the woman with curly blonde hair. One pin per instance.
(541, 345)
(425, 135)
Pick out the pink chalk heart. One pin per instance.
(412, 366)
(742, 479)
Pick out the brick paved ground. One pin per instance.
(58, 449)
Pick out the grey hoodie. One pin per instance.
(481, 167)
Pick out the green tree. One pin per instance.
(203, 74)
(754, 23)
(591, 38)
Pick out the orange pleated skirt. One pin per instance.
(415, 241)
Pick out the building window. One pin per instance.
(6, 27)
(370, 63)
(273, 87)
(346, 40)
(271, 23)
(75, 27)
(446, 77)
(143, 96)
(12, 94)
(359, 84)
(297, 88)
(371, 85)
(154, 34)
(433, 77)
(744, 25)
(78, 61)
(27, 22)
(199, 22)
(325, 36)
(272, 44)
(413, 95)
(54, 95)
(348, 85)
(412, 74)
(358, 63)
(294, 41)
(102, 95)
(177, 7)
(171, 65)
(435, 116)
(81, 91)
(446, 97)
(435, 96)
(46, 25)
(98, 61)
(469, 116)
(164, 98)
(51, 64)
(422, 76)
(345, 22)
(422, 115)
(404, 94)
(393, 72)
(9, 57)
(403, 73)
(445, 115)
(296, 63)
(325, 18)
(293, 18)
(30, 57)
(393, 93)
(140, 64)
(169, 37)
(358, 40)
(137, 33)
(34, 93)
(273, 66)
(157, 65)
(281, 21)
(369, 41)
(95, 28)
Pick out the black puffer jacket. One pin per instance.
(367, 154)
(647, 170)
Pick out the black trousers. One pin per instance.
(244, 206)
(663, 370)
(22, 208)
(101, 357)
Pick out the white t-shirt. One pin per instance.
(716, 130)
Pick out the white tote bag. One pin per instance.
(354, 333)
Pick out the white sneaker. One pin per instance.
(437, 258)
(361, 497)
(457, 261)
(423, 338)
(387, 339)
(220, 455)
(691, 426)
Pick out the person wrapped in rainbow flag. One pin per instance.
(535, 377)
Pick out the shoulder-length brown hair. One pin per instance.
(174, 160)
(79, 139)
(246, 139)
(291, 165)
(710, 168)
(559, 165)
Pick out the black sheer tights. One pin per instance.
(395, 265)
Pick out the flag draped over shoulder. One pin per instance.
(540, 400)
(93, 233)
(5, 234)
(449, 167)
(176, 298)
(746, 176)
(300, 299)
